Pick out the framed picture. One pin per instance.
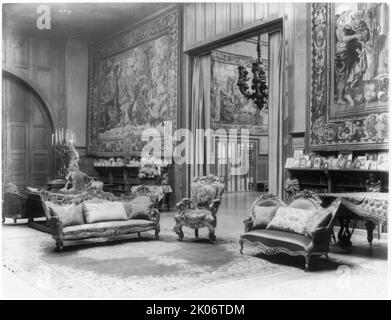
(133, 86)
(334, 164)
(298, 153)
(303, 162)
(382, 161)
(348, 54)
(317, 162)
(229, 109)
(296, 163)
(326, 164)
(360, 162)
(348, 164)
(341, 161)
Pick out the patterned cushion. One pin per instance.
(263, 215)
(203, 194)
(104, 211)
(70, 215)
(292, 220)
(139, 208)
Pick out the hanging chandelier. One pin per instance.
(259, 90)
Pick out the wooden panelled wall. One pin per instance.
(41, 61)
(203, 22)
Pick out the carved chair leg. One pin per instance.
(157, 231)
(212, 237)
(241, 246)
(15, 220)
(3, 220)
(139, 234)
(178, 231)
(59, 244)
(196, 233)
(307, 262)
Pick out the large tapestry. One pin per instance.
(133, 86)
(350, 76)
(229, 108)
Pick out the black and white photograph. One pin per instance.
(195, 151)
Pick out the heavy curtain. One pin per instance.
(200, 114)
(276, 59)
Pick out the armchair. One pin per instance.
(200, 210)
(273, 241)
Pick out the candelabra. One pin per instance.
(259, 88)
(62, 140)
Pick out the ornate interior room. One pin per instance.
(195, 150)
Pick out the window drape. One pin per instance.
(200, 113)
(276, 59)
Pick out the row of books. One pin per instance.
(370, 161)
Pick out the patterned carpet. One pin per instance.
(135, 268)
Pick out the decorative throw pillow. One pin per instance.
(263, 216)
(319, 220)
(70, 215)
(291, 220)
(139, 208)
(104, 211)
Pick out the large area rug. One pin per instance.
(135, 268)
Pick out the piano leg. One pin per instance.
(370, 227)
(344, 233)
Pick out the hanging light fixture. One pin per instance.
(259, 90)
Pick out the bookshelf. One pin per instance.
(337, 180)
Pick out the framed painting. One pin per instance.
(349, 53)
(133, 86)
(229, 108)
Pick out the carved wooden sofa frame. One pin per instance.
(317, 245)
(108, 231)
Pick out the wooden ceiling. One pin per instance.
(88, 21)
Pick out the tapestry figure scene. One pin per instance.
(228, 105)
(134, 90)
(360, 56)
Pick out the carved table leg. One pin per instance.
(241, 246)
(196, 233)
(370, 227)
(344, 233)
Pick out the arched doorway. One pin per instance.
(27, 129)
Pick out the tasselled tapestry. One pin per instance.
(350, 76)
(133, 86)
(229, 108)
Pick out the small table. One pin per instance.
(370, 206)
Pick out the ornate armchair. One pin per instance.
(14, 204)
(200, 210)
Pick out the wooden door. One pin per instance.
(27, 151)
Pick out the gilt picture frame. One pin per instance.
(352, 110)
(133, 86)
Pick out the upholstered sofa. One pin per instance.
(99, 220)
(302, 228)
